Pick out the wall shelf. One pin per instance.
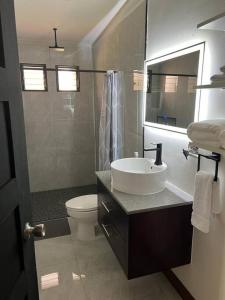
(214, 23)
(209, 86)
(211, 149)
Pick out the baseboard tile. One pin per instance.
(178, 285)
(179, 192)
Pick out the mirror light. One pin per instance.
(198, 47)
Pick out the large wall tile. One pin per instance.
(59, 125)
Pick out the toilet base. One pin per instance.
(85, 232)
(82, 231)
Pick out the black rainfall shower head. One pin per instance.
(56, 47)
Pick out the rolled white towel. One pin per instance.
(222, 139)
(217, 77)
(209, 132)
(222, 69)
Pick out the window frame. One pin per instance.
(72, 69)
(30, 65)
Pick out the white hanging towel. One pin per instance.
(202, 206)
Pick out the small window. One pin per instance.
(192, 82)
(171, 84)
(138, 81)
(34, 77)
(67, 79)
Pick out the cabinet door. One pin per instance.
(160, 240)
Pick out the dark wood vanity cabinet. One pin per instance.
(146, 242)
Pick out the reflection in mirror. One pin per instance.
(171, 96)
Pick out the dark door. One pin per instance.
(17, 260)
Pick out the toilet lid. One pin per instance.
(83, 203)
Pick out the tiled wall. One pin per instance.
(59, 125)
(62, 128)
(121, 47)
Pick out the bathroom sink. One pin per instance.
(139, 176)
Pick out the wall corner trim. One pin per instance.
(94, 34)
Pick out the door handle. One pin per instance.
(37, 230)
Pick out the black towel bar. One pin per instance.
(214, 156)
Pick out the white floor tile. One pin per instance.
(90, 271)
(54, 251)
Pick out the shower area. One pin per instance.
(72, 134)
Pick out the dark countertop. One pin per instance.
(133, 204)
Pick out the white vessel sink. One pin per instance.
(139, 176)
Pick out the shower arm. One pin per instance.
(55, 34)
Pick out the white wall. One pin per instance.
(172, 26)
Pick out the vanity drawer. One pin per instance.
(113, 211)
(103, 216)
(118, 244)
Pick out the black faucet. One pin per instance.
(158, 149)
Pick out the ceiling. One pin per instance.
(74, 18)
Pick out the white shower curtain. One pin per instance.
(111, 120)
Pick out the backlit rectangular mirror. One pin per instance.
(171, 100)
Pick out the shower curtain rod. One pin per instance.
(82, 71)
(163, 74)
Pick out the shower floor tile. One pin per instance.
(50, 205)
(70, 269)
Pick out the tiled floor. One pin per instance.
(90, 271)
(49, 208)
(50, 205)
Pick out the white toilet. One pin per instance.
(83, 212)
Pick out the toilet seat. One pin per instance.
(84, 203)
